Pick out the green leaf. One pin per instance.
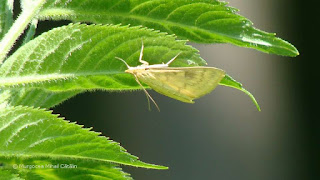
(81, 57)
(38, 137)
(6, 15)
(56, 169)
(230, 82)
(4, 97)
(5, 174)
(203, 21)
(75, 58)
(38, 97)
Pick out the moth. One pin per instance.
(181, 83)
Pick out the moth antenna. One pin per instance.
(147, 94)
(141, 55)
(123, 62)
(169, 62)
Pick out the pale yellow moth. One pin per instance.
(182, 83)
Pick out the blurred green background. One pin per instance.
(222, 135)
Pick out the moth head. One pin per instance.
(134, 70)
(129, 71)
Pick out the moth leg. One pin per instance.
(169, 62)
(141, 54)
(147, 94)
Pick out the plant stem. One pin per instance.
(18, 27)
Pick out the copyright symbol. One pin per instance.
(14, 166)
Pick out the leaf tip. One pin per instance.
(230, 82)
(252, 98)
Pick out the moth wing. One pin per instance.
(184, 84)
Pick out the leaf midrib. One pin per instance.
(23, 80)
(42, 16)
(6, 154)
(216, 35)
